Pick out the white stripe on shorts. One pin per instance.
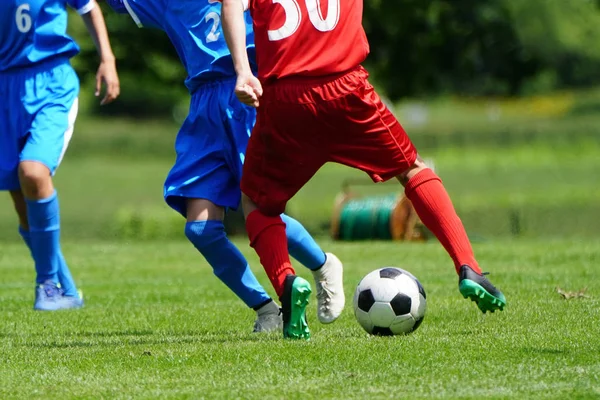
(70, 127)
(136, 19)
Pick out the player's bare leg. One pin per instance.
(38, 209)
(205, 229)
(267, 236)
(21, 208)
(433, 205)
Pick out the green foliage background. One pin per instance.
(418, 48)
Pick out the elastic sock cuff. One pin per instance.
(42, 201)
(261, 305)
(256, 223)
(425, 175)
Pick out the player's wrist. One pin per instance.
(243, 71)
(108, 58)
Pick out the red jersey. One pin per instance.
(307, 37)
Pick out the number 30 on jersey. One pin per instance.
(293, 17)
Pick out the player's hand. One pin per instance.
(248, 90)
(107, 74)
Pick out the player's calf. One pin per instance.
(229, 265)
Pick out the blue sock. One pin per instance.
(301, 245)
(44, 234)
(64, 275)
(229, 265)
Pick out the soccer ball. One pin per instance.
(389, 301)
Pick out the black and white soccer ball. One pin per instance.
(390, 301)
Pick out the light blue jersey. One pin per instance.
(194, 28)
(35, 31)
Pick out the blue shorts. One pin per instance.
(38, 108)
(210, 147)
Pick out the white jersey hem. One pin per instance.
(87, 8)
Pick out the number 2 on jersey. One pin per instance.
(213, 35)
(23, 19)
(293, 17)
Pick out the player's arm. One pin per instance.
(248, 88)
(107, 71)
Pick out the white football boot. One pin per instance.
(268, 318)
(329, 282)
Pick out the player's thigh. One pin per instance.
(369, 137)
(278, 163)
(203, 210)
(51, 100)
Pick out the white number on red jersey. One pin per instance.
(293, 17)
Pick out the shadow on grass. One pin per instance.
(148, 337)
(129, 332)
(545, 350)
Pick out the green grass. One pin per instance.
(158, 324)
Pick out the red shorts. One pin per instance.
(303, 123)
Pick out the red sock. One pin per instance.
(267, 237)
(433, 205)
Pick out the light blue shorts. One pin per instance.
(210, 147)
(38, 109)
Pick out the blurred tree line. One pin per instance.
(418, 48)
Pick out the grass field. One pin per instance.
(158, 324)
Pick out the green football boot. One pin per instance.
(294, 300)
(477, 288)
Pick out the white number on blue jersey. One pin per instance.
(293, 17)
(213, 35)
(23, 19)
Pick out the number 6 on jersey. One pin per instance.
(22, 18)
(293, 17)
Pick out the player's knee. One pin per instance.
(418, 166)
(271, 206)
(35, 179)
(203, 234)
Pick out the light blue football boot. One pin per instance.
(71, 302)
(49, 297)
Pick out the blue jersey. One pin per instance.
(194, 28)
(35, 31)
